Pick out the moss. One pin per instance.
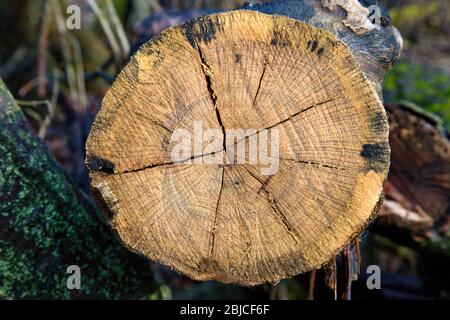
(164, 293)
(426, 87)
(413, 13)
(46, 225)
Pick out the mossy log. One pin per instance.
(46, 226)
(231, 222)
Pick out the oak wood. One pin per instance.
(240, 70)
(375, 46)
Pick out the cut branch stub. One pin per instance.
(238, 71)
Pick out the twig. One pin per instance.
(33, 114)
(43, 55)
(357, 243)
(312, 281)
(347, 294)
(330, 270)
(27, 87)
(351, 268)
(34, 103)
(70, 71)
(51, 107)
(119, 28)
(79, 68)
(154, 4)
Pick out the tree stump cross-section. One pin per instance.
(228, 221)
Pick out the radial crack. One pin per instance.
(260, 82)
(216, 216)
(219, 119)
(207, 71)
(152, 121)
(285, 120)
(279, 214)
(316, 164)
(169, 163)
(298, 113)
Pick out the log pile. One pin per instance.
(230, 222)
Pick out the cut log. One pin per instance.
(231, 221)
(418, 189)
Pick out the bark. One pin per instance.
(147, 28)
(47, 225)
(418, 187)
(330, 276)
(375, 47)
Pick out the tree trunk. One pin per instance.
(46, 225)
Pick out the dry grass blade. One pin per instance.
(107, 29)
(121, 35)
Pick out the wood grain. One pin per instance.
(240, 70)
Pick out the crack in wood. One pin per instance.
(207, 71)
(260, 82)
(287, 119)
(316, 164)
(153, 166)
(279, 214)
(297, 114)
(152, 121)
(214, 230)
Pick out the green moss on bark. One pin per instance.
(47, 225)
